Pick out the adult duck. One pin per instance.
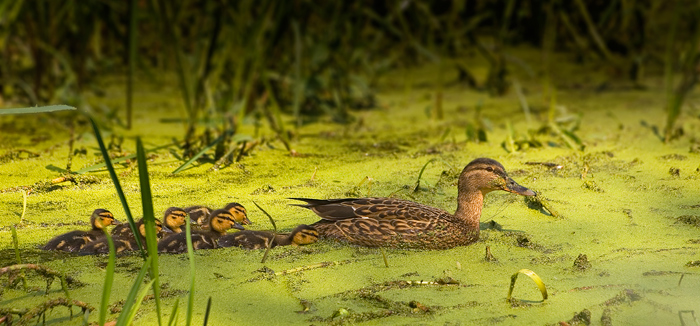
(376, 222)
(74, 240)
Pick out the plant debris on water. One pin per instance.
(257, 102)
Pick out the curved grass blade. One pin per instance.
(109, 278)
(117, 185)
(173, 314)
(149, 222)
(138, 302)
(274, 232)
(534, 277)
(190, 256)
(37, 109)
(129, 302)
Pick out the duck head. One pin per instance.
(101, 218)
(174, 218)
(239, 213)
(142, 227)
(303, 235)
(221, 220)
(486, 175)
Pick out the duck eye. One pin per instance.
(490, 169)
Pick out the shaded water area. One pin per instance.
(627, 201)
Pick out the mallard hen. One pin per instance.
(375, 222)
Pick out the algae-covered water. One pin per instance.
(627, 201)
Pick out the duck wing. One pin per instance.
(370, 208)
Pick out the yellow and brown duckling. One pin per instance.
(123, 241)
(375, 222)
(199, 215)
(220, 221)
(74, 240)
(247, 239)
(174, 218)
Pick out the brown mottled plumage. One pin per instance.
(375, 222)
(74, 240)
(220, 221)
(123, 241)
(247, 239)
(199, 215)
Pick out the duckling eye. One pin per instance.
(490, 169)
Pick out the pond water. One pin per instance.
(627, 201)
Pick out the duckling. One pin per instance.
(174, 218)
(199, 215)
(74, 240)
(375, 222)
(247, 239)
(123, 242)
(220, 221)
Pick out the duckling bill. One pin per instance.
(248, 239)
(376, 222)
(75, 240)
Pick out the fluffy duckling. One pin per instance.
(375, 222)
(123, 242)
(220, 221)
(247, 239)
(174, 218)
(74, 240)
(199, 215)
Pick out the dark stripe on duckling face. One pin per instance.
(239, 213)
(101, 218)
(175, 217)
(222, 220)
(305, 237)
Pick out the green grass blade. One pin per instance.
(194, 158)
(117, 185)
(15, 244)
(37, 109)
(149, 222)
(190, 256)
(129, 302)
(206, 313)
(173, 314)
(274, 232)
(109, 278)
(138, 302)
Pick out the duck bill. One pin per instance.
(115, 222)
(514, 187)
(246, 221)
(237, 226)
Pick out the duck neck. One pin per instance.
(282, 240)
(469, 206)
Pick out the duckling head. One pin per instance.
(101, 218)
(222, 220)
(142, 227)
(303, 235)
(174, 218)
(486, 175)
(239, 213)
